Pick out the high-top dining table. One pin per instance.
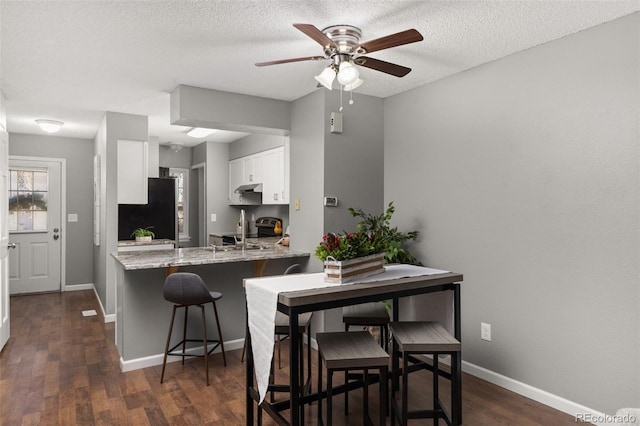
(299, 293)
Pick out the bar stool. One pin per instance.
(422, 337)
(186, 289)
(372, 314)
(351, 351)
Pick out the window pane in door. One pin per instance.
(25, 220)
(39, 221)
(40, 181)
(28, 199)
(25, 180)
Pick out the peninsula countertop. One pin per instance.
(201, 256)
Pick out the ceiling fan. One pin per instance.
(341, 44)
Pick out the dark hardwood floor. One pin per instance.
(60, 368)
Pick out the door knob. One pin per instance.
(11, 245)
(55, 229)
(56, 236)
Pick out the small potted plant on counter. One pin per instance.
(143, 234)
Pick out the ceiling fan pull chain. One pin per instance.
(351, 97)
(341, 98)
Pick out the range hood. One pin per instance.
(252, 187)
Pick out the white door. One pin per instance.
(4, 238)
(35, 225)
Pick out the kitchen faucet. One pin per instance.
(243, 230)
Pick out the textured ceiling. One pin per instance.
(74, 60)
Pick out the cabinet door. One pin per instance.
(273, 190)
(252, 169)
(235, 180)
(132, 172)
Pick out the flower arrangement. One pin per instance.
(345, 246)
(374, 235)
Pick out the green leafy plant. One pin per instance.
(386, 238)
(143, 232)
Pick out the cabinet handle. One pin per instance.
(275, 196)
(250, 178)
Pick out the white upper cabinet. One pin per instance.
(252, 169)
(269, 168)
(273, 189)
(133, 172)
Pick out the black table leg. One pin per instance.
(456, 361)
(249, 377)
(294, 368)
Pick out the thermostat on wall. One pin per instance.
(331, 201)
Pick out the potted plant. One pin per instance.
(143, 234)
(354, 255)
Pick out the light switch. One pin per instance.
(72, 217)
(213, 217)
(296, 203)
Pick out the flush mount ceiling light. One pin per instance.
(200, 132)
(49, 126)
(176, 146)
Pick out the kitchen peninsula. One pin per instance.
(142, 314)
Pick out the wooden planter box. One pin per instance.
(345, 271)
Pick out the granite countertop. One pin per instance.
(125, 243)
(201, 256)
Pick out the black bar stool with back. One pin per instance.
(185, 289)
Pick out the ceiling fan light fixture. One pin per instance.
(200, 132)
(354, 85)
(326, 77)
(348, 74)
(49, 126)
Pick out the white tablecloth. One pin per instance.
(262, 302)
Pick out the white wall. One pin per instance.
(523, 174)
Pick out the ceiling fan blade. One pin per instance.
(284, 61)
(386, 67)
(393, 40)
(316, 34)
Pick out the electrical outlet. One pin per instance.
(485, 331)
(214, 217)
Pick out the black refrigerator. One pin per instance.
(160, 213)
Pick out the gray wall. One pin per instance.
(79, 195)
(307, 174)
(523, 174)
(114, 126)
(353, 160)
(171, 158)
(254, 143)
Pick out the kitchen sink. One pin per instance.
(231, 247)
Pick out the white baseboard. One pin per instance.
(153, 360)
(554, 401)
(78, 287)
